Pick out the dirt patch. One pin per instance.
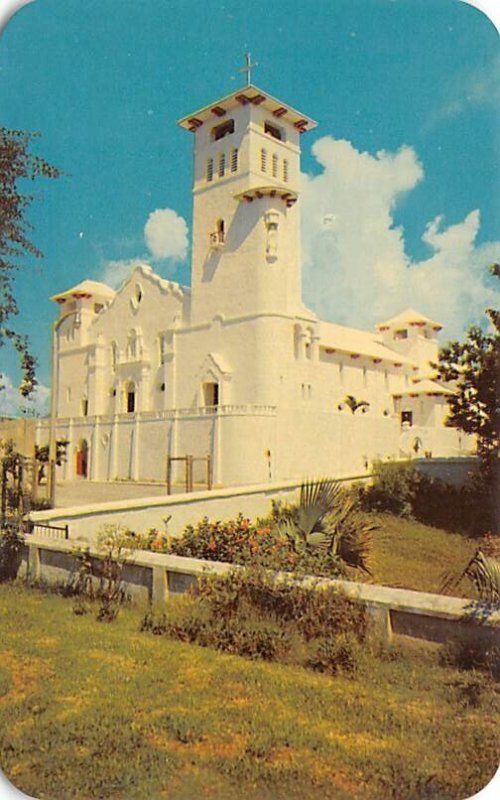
(25, 673)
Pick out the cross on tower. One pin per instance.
(248, 67)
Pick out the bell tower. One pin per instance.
(246, 230)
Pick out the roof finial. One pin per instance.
(248, 67)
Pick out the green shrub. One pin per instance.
(335, 654)
(313, 611)
(251, 614)
(400, 488)
(11, 544)
(470, 655)
(393, 488)
(249, 638)
(340, 538)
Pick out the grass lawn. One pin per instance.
(414, 556)
(97, 710)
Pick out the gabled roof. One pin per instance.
(86, 289)
(409, 317)
(356, 342)
(247, 95)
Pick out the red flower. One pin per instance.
(212, 545)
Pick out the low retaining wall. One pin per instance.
(154, 577)
(139, 514)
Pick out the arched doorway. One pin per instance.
(130, 397)
(82, 459)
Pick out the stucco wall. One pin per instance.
(85, 521)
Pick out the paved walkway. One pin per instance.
(82, 493)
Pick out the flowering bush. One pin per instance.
(237, 541)
(323, 534)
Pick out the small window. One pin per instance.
(234, 160)
(224, 129)
(263, 160)
(285, 170)
(85, 407)
(273, 131)
(222, 165)
(211, 394)
(407, 417)
(275, 165)
(98, 307)
(130, 398)
(402, 334)
(210, 169)
(138, 292)
(220, 230)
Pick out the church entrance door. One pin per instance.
(82, 457)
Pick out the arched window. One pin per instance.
(275, 165)
(211, 394)
(210, 169)
(234, 160)
(130, 397)
(285, 170)
(263, 160)
(222, 165)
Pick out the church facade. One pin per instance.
(235, 366)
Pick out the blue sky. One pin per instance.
(403, 165)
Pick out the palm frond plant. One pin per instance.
(326, 522)
(484, 572)
(355, 405)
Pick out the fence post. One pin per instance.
(160, 587)
(66, 531)
(34, 564)
(381, 621)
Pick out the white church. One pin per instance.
(235, 366)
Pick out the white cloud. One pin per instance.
(13, 404)
(477, 88)
(166, 234)
(115, 272)
(356, 269)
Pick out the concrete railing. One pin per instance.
(154, 577)
(248, 409)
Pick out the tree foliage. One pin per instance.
(17, 165)
(474, 367)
